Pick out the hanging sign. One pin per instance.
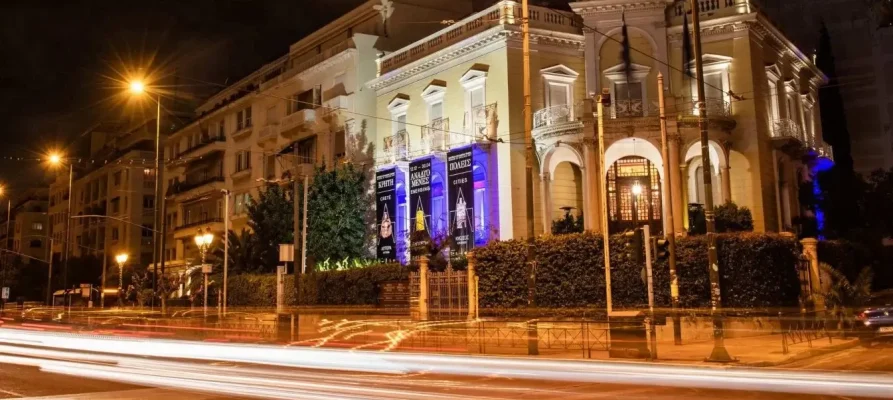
(386, 212)
(419, 205)
(461, 200)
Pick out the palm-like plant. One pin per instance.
(844, 297)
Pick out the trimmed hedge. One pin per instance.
(351, 287)
(257, 290)
(756, 271)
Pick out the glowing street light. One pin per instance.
(121, 259)
(55, 159)
(203, 242)
(137, 87)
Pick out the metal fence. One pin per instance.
(802, 328)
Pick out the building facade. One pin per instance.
(450, 106)
(309, 107)
(113, 197)
(26, 231)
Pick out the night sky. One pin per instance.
(61, 59)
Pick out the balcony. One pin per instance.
(285, 73)
(241, 132)
(479, 125)
(396, 146)
(194, 187)
(189, 229)
(333, 105)
(269, 132)
(719, 113)
(207, 145)
(297, 119)
(436, 136)
(826, 151)
(785, 130)
(555, 121)
(711, 9)
(501, 14)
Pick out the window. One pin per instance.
(773, 100)
(221, 128)
(36, 244)
(243, 119)
(243, 160)
(716, 80)
(116, 205)
(37, 226)
(147, 232)
(148, 178)
(629, 90)
(400, 123)
(435, 111)
(243, 200)
(308, 99)
(559, 86)
(148, 201)
(307, 151)
(114, 233)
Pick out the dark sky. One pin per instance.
(60, 59)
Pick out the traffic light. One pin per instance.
(661, 248)
(632, 245)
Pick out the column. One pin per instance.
(546, 191)
(592, 216)
(810, 250)
(676, 184)
(472, 287)
(423, 288)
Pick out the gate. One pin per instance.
(447, 294)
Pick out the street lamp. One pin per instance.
(203, 242)
(56, 160)
(121, 259)
(138, 88)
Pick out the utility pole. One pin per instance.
(528, 146)
(719, 353)
(605, 97)
(646, 232)
(225, 245)
(296, 217)
(156, 236)
(50, 276)
(68, 228)
(105, 259)
(304, 228)
(668, 192)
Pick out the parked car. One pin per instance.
(876, 321)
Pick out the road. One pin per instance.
(88, 366)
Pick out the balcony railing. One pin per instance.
(716, 108)
(825, 150)
(182, 187)
(269, 131)
(436, 135)
(552, 115)
(204, 142)
(498, 14)
(480, 124)
(298, 118)
(787, 129)
(396, 146)
(200, 223)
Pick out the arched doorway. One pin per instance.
(567, 190)
(634, 195)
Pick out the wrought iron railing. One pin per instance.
(552, 115)
(396, 146)
(180, 187)
(786, 129)
(825, 150)
(199, 223)
(436, 135)
(715, 108)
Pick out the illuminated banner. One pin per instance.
(386, 213)
(419, 206)
(461, 200)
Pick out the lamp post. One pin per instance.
(121, 259)
(55, 159)
(203, 242)
(139, 88)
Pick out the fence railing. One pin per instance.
(552, 115)
(396, 146)
(436, 135)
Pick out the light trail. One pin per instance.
(818, 383)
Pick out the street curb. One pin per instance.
(803, 355)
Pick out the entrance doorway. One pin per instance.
(634, 195)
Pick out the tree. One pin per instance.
(844, 296)
(731, 218)
(243, 253)
(272, 220)
(337, 205)
(834, 125)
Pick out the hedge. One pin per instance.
(756, 271)
(351, 287)
(257, 290)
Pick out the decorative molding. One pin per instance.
(587, 8)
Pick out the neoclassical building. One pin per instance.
(450, 134)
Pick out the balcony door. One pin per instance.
(634, 195)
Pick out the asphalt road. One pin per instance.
(877, 358)
(18, 381)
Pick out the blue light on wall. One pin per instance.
(402, 227)
(817, 166)
(481, 197)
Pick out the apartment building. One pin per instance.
(113, 196)
(308, 107)
(451, 155)
(27, 228)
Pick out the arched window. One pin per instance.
(634, 195)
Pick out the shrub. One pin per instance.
(731, 218)
(350, 287)
(252, 290)
(756, 271)
(568, 224)
(844, 256)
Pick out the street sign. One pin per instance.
(5, 294)
(286, 253)
(207, 268)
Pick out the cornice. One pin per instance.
(588, 9)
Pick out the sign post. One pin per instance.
(647, 232)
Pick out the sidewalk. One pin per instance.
(757, 351)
